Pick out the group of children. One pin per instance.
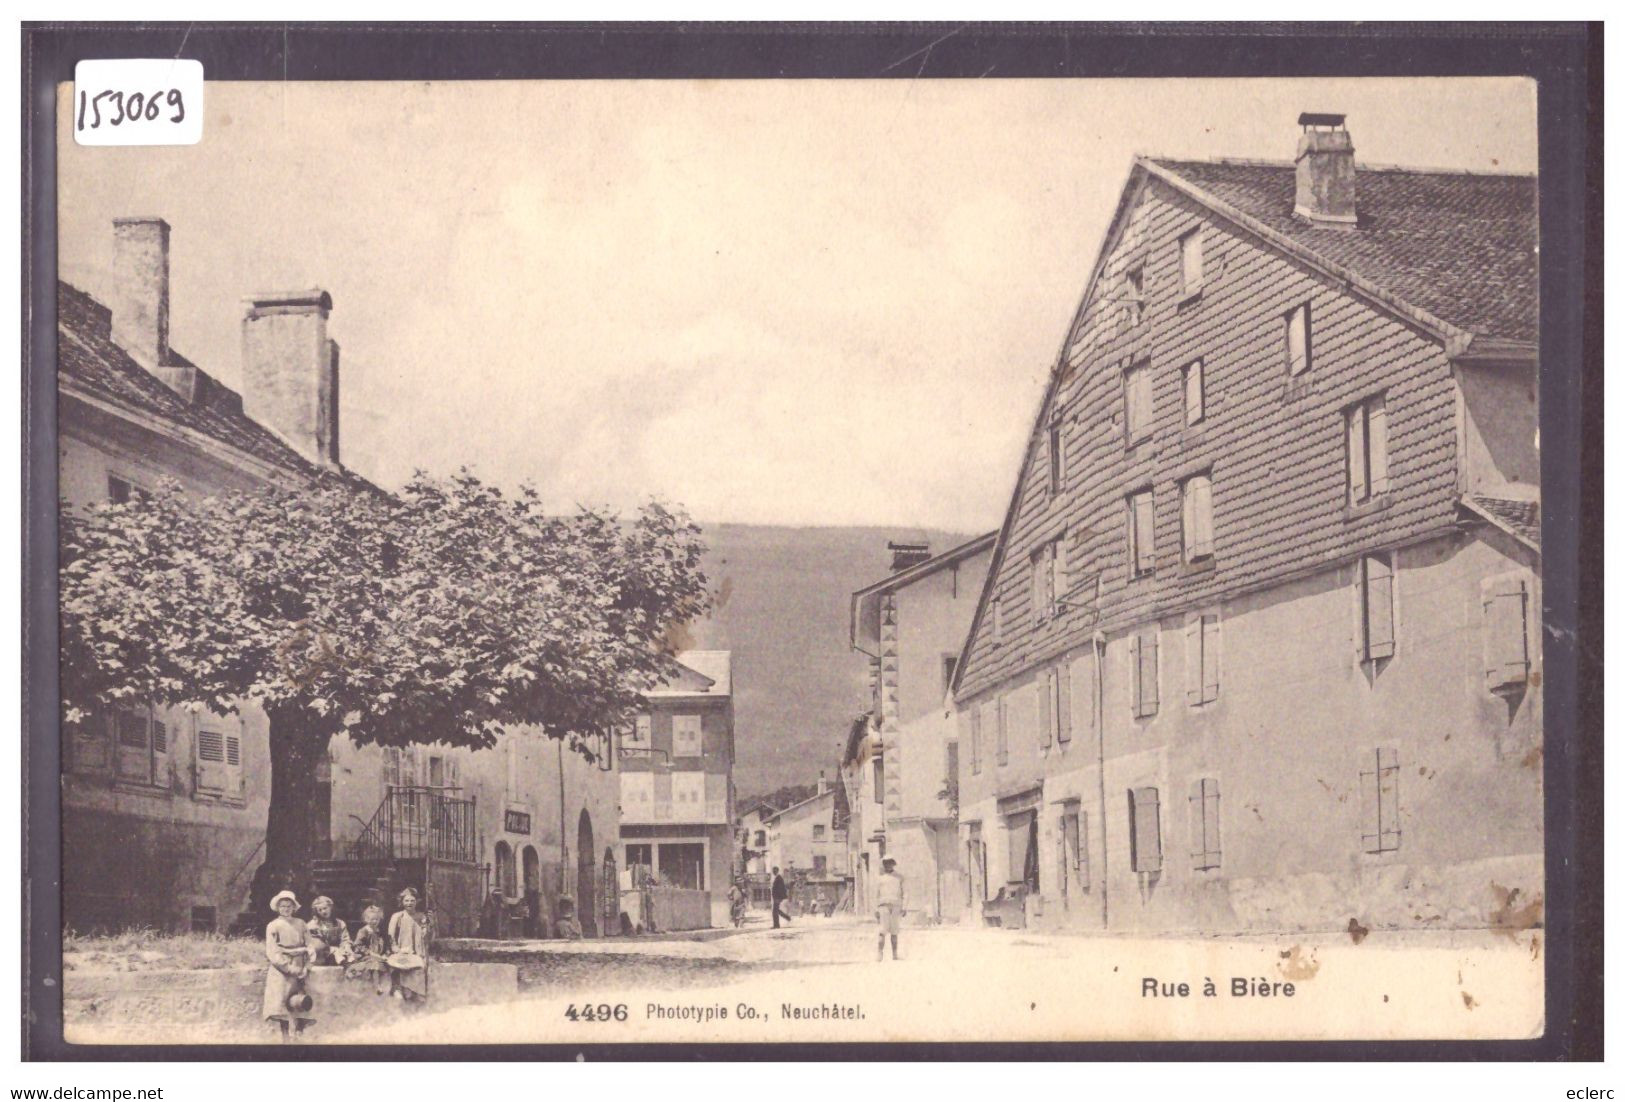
(396, 961)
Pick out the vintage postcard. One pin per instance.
(801, 561)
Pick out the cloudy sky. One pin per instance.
(795, 302)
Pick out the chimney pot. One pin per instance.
(140, 305)
(1325, 171)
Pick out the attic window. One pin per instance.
(1134, 295)
(1190, 262)
(1298, 349)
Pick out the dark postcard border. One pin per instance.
(1565, 60)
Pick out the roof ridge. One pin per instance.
(1369, 166)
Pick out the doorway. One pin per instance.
(586, 877)
(533, 892)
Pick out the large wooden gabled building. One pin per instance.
(1260, 648)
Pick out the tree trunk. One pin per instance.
(297, 747)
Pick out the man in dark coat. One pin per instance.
(780, 894)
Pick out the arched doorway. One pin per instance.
(504, 871)
(533, 892)
(586, 877)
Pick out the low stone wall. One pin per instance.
(223, 1005)
(680, 909)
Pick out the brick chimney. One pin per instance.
(1325, 171)
(291, 371)
(905, 555)
(140, 296)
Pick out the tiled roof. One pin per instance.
(1521, 518)
(89, 359)
(1457, 245)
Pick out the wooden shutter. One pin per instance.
(951, 766)
(1193, 661)
(1015, 828)
(1506, 628)
(234, 763)
(1146, 830)
(1379, 802)
(1082, 678)
(212, 771)
(1003, 710)
(1135, 695)
(131, 744)
(92, 745)
(1063, 702)
(1046, 707)
(1063, 579)
(1377, 446)
(1210, 657)
(976, 738)
(1187, 519)
(1379, 608)
(1204, 819)
(1297, 340)
(1080, 850)
(1358, 483)
(1204, 515)
(1145, 537)
(1148, 673)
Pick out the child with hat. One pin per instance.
(289, 954)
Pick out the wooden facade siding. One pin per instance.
(1276, 457)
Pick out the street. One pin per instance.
(818, 980)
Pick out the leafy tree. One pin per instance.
(442, 614)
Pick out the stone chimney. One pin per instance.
(905, 555)
(291, 371)
(823, 785)
(1325, 171)
(140, 297)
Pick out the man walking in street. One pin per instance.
(888, 905)
(780, 894)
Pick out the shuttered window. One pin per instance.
(1379, 802)
(1137, 402)
(1190, 261)
(642, 734)
(685, 736)
(951, 765)
(1002, 710)
(1194, 395)
(1202, 659)
(1047, 685)
(1196, 517)
(1142, 543)
(1506, 633)
(1018, 828)
(1057, 455)
(1145, 830)
(1375, 592)
(140, 743)
(1205, 824)
(1366, 449)
(976, 739)
(1298, 351)
(1143, 673)
(1133, 295)
(1075, 852)
(1063, 702)
(219, 761)
(1047, 566)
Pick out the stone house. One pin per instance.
(676, 782)
(1260, 645)
(807, 844)
(164, 811)
(898, 763)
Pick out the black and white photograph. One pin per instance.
(706, 561)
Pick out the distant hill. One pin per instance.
(784, 600)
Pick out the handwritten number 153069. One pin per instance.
(131, 107)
